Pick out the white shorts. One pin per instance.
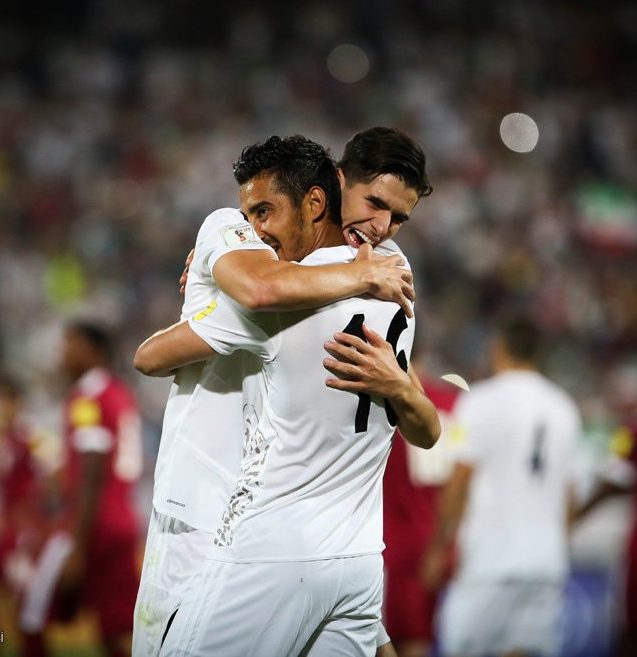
(326, 608)
(174, 552)
(483, 618)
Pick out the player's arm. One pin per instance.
(74, 571)
(452, 505)
(386, 650)
(604, 490)
(371, 367)
(617, 475)
(170, 349)
(92, 442)
(93, 469)
(259, 281)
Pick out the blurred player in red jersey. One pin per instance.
(619, 476)
(17, 475)
(103, 460)
(410, 493)
(19, 499)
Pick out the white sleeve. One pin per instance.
(223, 231)
(227, 327)
(471, 427)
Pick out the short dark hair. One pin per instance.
(96, 335)
(377, 151)
(521, 336)
(298, 164)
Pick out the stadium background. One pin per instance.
(119, 123)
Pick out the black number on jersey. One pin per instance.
(537, 462)
(355, 327)
(397, 325)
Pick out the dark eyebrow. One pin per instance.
(378, 202)
(257, 206)
(383, 205)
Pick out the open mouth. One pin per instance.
(357, 238)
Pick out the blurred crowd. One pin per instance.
(120, 121)
(119, 124)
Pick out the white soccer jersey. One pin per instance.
(520, 434)
(202, 433)
(311, 478)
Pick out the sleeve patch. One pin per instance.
(457, 433)
(240, 234)
(621, 443)
(84, 412)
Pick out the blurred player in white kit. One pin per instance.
(508, 502)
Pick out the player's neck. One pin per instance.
(510, 365)
(329, 234)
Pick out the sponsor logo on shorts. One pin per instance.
(171, 501)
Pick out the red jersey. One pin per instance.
(23, 521)
(412, 480)
(410, 490)
(624, 445)
(101, 415)
(18, 478)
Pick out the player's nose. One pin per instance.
(380, 223)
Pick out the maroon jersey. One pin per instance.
(23, 523)
(18, 479)
(624, 445)
(410, 490)
(101, 415)
(411, 485)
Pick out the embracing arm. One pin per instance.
(169, 349)
(417, 416)
(258, 281)
(371, 367)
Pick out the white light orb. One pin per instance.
(519, 132)
(348, 63)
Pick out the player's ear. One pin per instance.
(315, 203)
(341, 178)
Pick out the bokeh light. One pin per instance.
(348, 63)
(519, 132)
